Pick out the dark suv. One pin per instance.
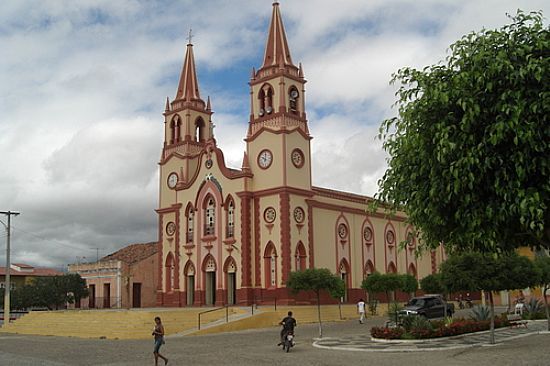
(429, 306)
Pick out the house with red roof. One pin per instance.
(21, 274)
(123, 279)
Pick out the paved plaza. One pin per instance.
(258, 347)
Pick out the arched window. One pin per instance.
(190, 224)
(412, 270)
(175, 130)
(270, 265)
(265, 97)
(391, 268)
(293, 97)
(300, 257)
(170, 272)
(369, 269)
(230, 233)
(209, 216)
(199, 130)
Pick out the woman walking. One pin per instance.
(158, 332)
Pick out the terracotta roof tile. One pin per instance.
(36, 272)
(133, 253)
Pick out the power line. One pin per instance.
(59, 242)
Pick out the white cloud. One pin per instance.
(84, 84)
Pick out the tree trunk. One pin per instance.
(546, 306)
(492, 339)
(319, 315)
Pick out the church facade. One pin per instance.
(232, 236)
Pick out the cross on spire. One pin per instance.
(190, 35)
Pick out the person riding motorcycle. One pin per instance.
(288, 324)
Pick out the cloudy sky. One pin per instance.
(83, 84)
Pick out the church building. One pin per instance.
(232, 236)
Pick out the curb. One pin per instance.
(444, 348)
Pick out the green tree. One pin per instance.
(74, 287)
(474, 271)
(409, 284)
(316, 280)
(470, 145)
(386, 283)
(543, 265)
(432, 284)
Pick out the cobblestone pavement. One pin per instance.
(363, 342)
(258, 348)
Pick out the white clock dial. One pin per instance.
(172, 180)
(265, 158)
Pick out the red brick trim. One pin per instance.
(285, 235)
(245, 240)
(257, 243)
(310, 234)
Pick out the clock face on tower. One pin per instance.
(297, 157)
(264, 159)
(172, 180)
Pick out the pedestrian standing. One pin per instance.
(158, 333)
(361, 310)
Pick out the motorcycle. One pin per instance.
(288, 341)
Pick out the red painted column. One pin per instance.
(310, 234)
(257, 244)
(284, 200)
(177, 252)
(159, 281)
(246, 279)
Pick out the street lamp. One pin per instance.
(8, 265)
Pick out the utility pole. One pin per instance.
(8, 265)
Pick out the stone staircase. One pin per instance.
(113, 324)
(139, 323)
(267, 316)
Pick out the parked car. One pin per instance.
(429, 306)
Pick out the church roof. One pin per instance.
(188, 87)
(276, 47)
(133, 253)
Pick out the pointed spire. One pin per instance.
(188, 88)
(276, 46)
(301, 71)
(208, 104)
(167, 107)
(246, 165)
(253, 73)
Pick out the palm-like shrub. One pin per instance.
(480, 312)
(533, 309)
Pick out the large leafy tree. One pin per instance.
(474, 271)
(432, 284)
(543, 265)
(389, 282)
(316, 280)
(51, 292)
(469, 149)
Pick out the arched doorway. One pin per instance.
(210, 280)
(169, 266)
(190, 283)
(344, 275)
(231, 273)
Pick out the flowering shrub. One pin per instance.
(387, 333)
(438, 329)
